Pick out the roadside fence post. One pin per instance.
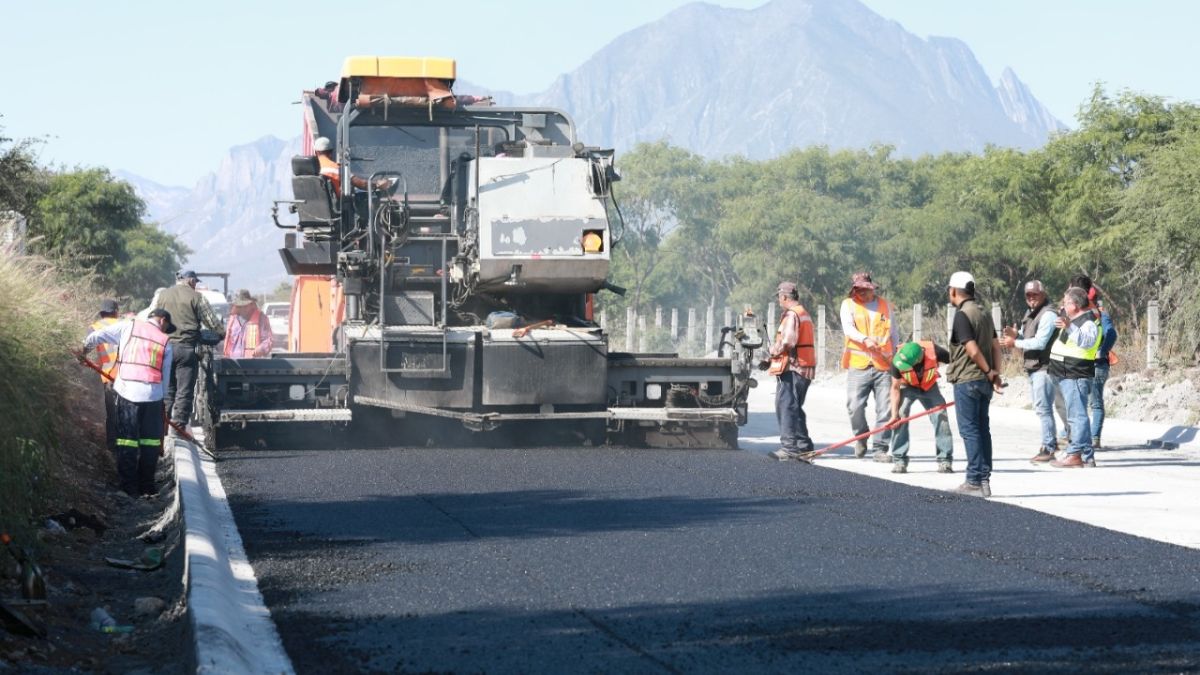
(630, 328)
(950, 311)
(603, 320)
(821, 327)
(709, 320)
(691, 330)
(916, 331)
(674, 323)
(1152, 333)
(658, 317)
(643, 345)
(997, 318)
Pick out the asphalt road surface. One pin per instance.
(606, 560)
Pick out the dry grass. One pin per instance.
(42, 316)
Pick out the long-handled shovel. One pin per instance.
(179, 429)
(810, 456)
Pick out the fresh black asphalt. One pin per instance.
(576, 560)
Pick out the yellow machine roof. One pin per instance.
(399, 66)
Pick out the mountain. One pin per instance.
(789, 74)
(226, 218)
(719, 81)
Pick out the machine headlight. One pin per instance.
(653, 392)
(296, 392)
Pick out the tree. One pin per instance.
(22, 179)
(82, 217)
(149, 261)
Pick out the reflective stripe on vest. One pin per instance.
(878, 327)
(251, 335)
(929, 374)
(106, 354)
(141, 357)
(803, 353)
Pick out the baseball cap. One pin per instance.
(786, 288)
(907, 356)
(109, 306)
(1035, 286)
(168, 327)
(186, 274)
(960, 280)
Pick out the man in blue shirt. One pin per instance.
(1037, 329)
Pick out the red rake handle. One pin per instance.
(178, 428)
(872, 432)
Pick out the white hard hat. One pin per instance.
(962, 281)
(322, 144)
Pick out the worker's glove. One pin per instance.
(80, 354)
(764, 364)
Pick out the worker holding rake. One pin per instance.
(914, 374)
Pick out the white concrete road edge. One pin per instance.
(1141, 486)
(231, 626)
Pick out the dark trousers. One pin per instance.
(789, 411)
(971, 403)
(139, 440)
(181, 391)
(110, 418)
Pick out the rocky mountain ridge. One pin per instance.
(719, 81)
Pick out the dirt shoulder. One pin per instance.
(86, 521)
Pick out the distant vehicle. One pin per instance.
(278, 314)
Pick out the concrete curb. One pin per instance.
(231, 626)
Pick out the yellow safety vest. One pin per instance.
(878, 327)
(106, 354)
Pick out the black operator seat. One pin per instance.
(314, 194)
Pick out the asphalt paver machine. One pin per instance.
(477, 222)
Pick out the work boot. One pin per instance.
(1090, 464)
(1044, 455)
(1068, 462)
(860, 449)
(882, 457)
(782, 454)
(899, 467)
(945, 467)
(985, 488)
(970, 489)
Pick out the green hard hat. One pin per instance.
(908, 356)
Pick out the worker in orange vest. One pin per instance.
(106, 357)
(914, 373)
(871, 340)
(144, 354)
(249, 332)
(793, 362)
(331, 169)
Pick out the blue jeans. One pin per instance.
(1096, 399)
(942, 439)
(789, 411)
(860, 384)
(971, 403)
(1041, 389)
(1075, 395)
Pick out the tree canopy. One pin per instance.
(1115, 199)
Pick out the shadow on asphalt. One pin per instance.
(920, 628)
(447, 517)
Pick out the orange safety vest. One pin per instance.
(878, 327)
(803, 353)
(106, 354)
(331, 170)
(141, 357)
(929, 375)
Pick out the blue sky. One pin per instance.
(163, 89)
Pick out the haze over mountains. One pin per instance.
(719, 81)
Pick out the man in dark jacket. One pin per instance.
(190, 312)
